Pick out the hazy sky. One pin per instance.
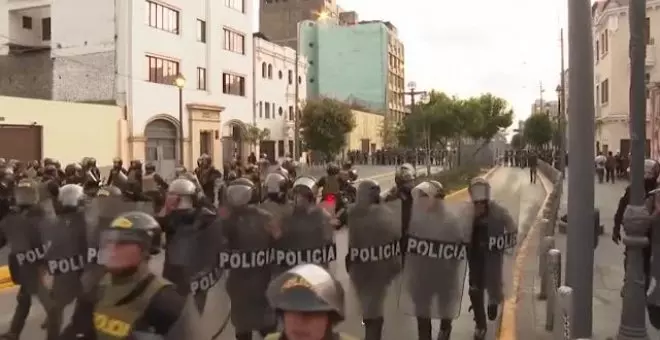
(506, 47)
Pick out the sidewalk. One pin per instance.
(608, 274)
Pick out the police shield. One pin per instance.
(435, 256)
(307, 236)
(248, 257)
(65, 260)
(502, 238)
(373, 260)
(22, 231)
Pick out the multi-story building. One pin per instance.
(131, 53)
(275, 94)
(278, 20)
(612, 70)
(361, 64)
(549, 107)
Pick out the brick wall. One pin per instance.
(27, 75)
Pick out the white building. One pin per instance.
(612, 70)
(129, 53)
(275, 94)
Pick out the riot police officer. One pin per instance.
(249, 230)
(73, 174)
(117, 168)
(404, 179)
(492, 224)
(154, 306)
(20, 231)
(331, 183)
(182, 218)
(309, 302)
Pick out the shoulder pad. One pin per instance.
(273, 336)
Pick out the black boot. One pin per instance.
(373, 329)
(445, 329)
(424, 329)
(21, 312)
(492, 311)
(479, 333)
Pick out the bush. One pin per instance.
(454, 179)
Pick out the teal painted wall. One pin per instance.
(347, 62)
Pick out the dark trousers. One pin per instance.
(532, 174)
(21, 312)
(477, 294)
(424, 328)
(609, 175)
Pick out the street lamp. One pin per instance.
(412, 93)
(180, 82)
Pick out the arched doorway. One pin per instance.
(160, 146)
(233, 145)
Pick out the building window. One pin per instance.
(280, 148)
(45, 29)
(597, 94)
(162, 17)
(597, 54)
(201, 30)
(264, 70)
(647, 31)
(233, 84)
(261, 109)
(605, 91)
(270, 71)
(279, 74)
(290, 112)
(299, 80)
(162, 71)
(606, 43)
(272, 109)
(206, 142)
(238, 5)
(234, 41)
(267, 110)
(280, 111)
(27, 22)
(201, 78)
(290, 77)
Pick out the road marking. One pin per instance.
(508, 327)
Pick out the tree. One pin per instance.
(388, 132)
(431, 123)
(492, 114)
(518, 141)
(254, 135)
(325, 124)
(538, 130)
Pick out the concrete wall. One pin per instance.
(28, 75)
(71, 131)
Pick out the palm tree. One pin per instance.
(254, 135)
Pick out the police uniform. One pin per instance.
(143, 304)
(308, 288)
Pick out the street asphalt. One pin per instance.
(510, 186)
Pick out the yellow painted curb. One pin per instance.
(508, 327)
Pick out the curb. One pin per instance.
(508, 321)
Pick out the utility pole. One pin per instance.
(562, 109)
(412, 93)
(541, 90)
(633, 308)
(580, 243)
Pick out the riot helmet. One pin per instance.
(332, 169)
(368, 192)
(428, 195)
(232, 175)
(307, 288)
(180, 171)
(72, 169)
(48, 161)
(71, 196)
(352, 175)
(136, 164)
(479, 190)
(347, 165)
(133, 227)
(27, 193)
(7, 177)
(117, 162)
(276, 183)
(239, 192)
(184, 191)
(651, 169)
(91, 162)
(304, 192)
(50, 171)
